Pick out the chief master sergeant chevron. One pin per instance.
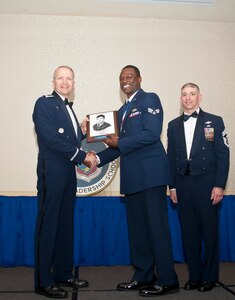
(59, 139)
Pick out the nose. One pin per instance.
(122, 80)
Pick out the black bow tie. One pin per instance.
(66, 101)
(194, 115)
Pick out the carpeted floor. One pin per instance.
(17, 284)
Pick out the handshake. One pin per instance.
(90, 160)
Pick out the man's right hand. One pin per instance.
(90, 160)
(173, 196)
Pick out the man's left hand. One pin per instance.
(112, 141)
(217, 195)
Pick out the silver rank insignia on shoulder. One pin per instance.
(49, 96)
(61, 130)
(225, 138)
(153, 111)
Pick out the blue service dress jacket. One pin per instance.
(209, 152)
(55, 132)
(143, 159)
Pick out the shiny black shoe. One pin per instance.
(74, 283)
(134, 285)
(157, 290)
(192, 285)
(206, 286)
(51, 292)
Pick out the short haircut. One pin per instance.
(66, 67)
(192, 85)
(137, 71)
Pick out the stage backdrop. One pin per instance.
(100, 231)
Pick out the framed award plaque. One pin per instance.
(101, 125)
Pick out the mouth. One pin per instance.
(126, 86)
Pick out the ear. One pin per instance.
(181, 100)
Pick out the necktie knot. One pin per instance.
(193, 115)
(67, 102)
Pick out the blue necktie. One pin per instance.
(124, 112)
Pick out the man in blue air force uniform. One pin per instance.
(59, 139)
(144, 177)
(198, 152)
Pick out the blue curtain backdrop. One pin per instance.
(100, 231)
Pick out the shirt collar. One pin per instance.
(197, 110)
(131, 97)
(61, 96)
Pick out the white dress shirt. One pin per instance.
(189, 128)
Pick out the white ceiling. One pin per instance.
(219, 11)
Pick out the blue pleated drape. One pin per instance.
(101, 232)
(101, 236)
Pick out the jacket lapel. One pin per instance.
(197, 132)
(63, 107)
(131, 105)
(181, 136)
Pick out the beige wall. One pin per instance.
(168, 53)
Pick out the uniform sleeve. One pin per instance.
(222, 154)
(107, 155)
(171, 152)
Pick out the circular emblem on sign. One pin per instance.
(91, 181)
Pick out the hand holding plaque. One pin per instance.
(101, 125)
(112, 141)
